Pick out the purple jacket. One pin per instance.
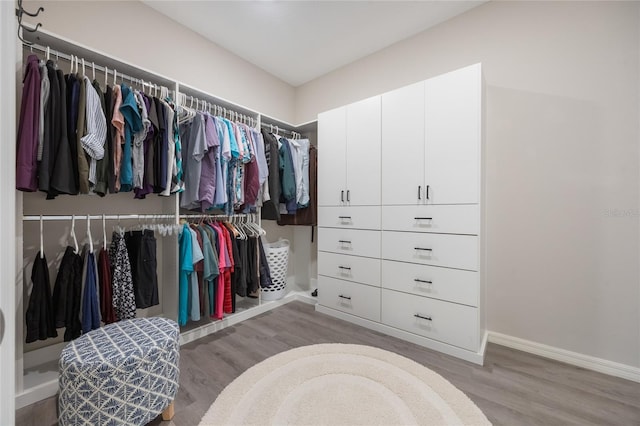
(28, 127)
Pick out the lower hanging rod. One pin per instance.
(35, 218)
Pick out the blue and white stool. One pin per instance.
(124, 373)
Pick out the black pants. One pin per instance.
(141, 247)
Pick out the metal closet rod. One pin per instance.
(279, 129)
(107, 70)
(32, 218)
(216, 109)
(35, 218)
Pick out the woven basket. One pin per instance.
(278, 259)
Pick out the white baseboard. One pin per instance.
(574, 358)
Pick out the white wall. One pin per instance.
(138, 34)
(8, 312)
(562, 160)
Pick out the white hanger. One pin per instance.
(83, 68)
(48, 53)
(93, 66)
(106, 74)
(73, 232)
(89, 233)
(115, 74)
(104, 232)
(41, 239)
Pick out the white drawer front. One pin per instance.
(349, 241)
(452, 219)
(357, 299)
(351, 268)
(446, 322)
(454, 251)
(361, 217)
(453, 285)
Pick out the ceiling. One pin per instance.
(298, 41)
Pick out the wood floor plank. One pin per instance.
(512, 388)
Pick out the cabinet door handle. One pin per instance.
(342, 196)
(423, 218)
(423, 317)
(344, 242)
(419, 192)
(418, 280)
(348, 198)
(427, 192)
(347, 268)
(344, 217)
(344, 297)
(422, 248)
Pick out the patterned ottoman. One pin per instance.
(124, 373)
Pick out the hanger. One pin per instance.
(89, 233)
(73, 233)
(104, 232)
(106, 74)
(93, 66)
(41, 239)
(83, 68)
(115, 74)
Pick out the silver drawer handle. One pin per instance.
(344, 217)
(422, 281)
(344, 242)
(423, 218)
(344, 297)
(423, 317)
(422, 248)
(344, 267)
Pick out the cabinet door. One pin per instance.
(453, 135)
(403, 146)
(363, 152)
(332, 166)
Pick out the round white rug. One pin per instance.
(338, 384)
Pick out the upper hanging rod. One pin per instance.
(278, 129)
(215, 109)
(114, 72)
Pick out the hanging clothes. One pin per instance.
(271, 205)
(309, 215)
(40, 315)
(81, 131)
(66, 294)
(90, 302)
(124, 301)
(107, 312)
(141, 251)
(185, 265)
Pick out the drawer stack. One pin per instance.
(349, 260)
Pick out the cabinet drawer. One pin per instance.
(454, 251)
(443, 321)
(349, 241)
(353, 298)
(453, 285)
(350, 268)
(349, 217)
(453, 219)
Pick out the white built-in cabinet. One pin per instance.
(350, 158)
(410, 265)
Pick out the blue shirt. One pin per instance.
(185, 262)
(132, 124)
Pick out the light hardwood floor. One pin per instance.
(512, 388)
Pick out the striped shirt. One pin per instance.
(93, 142)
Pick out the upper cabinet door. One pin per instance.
(403, 146)
(453, 136)
(332, 162)
(363, 152)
